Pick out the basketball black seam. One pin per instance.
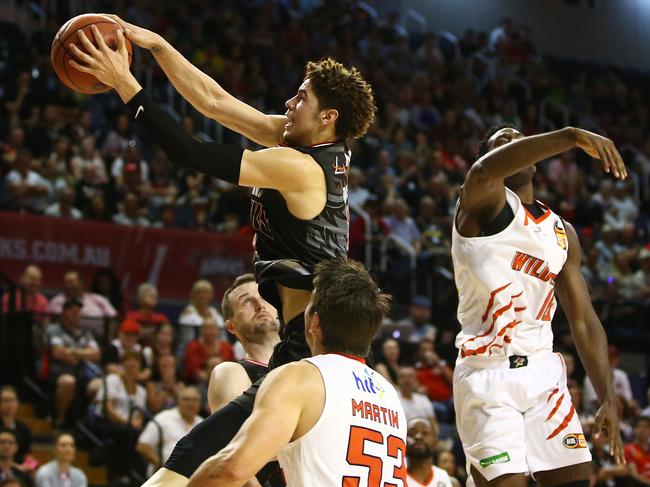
(66, 51)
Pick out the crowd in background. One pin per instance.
(80, 157)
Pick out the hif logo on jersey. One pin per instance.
(367, 384)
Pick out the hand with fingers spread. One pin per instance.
(602, 148)
(108, 66)
(138, 35)
(607, 421)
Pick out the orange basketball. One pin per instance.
(61, 55)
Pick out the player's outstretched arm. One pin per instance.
(590, 340)
(288, 404)
(204, 93)
(483, 191)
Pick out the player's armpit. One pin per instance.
(227, 381)
(285, 403)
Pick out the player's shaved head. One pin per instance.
(489, 140)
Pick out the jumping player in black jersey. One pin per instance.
(299, 210)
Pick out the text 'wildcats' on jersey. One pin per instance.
(506, 284)
(360, 438)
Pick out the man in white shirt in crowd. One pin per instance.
(415, 405)
(162, 433)
(421, 444)
(28, 189)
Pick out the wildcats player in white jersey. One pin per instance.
(512, 256)
(421, 442)
(330, 419)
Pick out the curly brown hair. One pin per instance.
(346, 91)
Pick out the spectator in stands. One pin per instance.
(199, 351)
(64, 207)
(193, 316)
(422, 441)
(607, 248)
(621, 383)
(35, 302)
(446, 460)
(8, 466)
(131, 213)
(9, 421)
(74, 355)
(641, 279)
(159, 438)
(378, 230)
(436, 377)
(389, 364)
(418, 320)
(167, 218)
(127, 341)
(145, 314)
(402, 225)
(415, 405)
(28, 190)
(87, 189)
(164, 387)
(95, 306)
(89, 156)
(357, 194)
(163, 342)
(606, 472)
(623, 209)
(637, 453)
(121, 403)
(60, 471)
(105, 283)
(117, 140)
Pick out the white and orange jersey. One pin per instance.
(438, 478)
(360, 438)
(506, 285)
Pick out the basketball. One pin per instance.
(68, 34)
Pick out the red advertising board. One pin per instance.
(170, 259)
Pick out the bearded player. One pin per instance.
(299, 209)
(512, 256)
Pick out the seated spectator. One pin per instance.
(95, 309)
(418, 320)
(389, 365)
(196, 313)
(433, 373)
(146, 316)
(607, 472)
(64, 208)
(446, 460)
(198, 352)
(415, 405)
(60, 470)
(8, 420)
(641, 279)
(402, 225)
(74, 355)
(126, 341)
(637, 453)
(105, 283)
(28, 190)
(35, 301)
(163, 342)
(121, 402)
(357, 194)
(164, 387)
(8, 466)
(422, 441)
(131, 163)
(159, 438)
(622, 386)
(379, 229)
(89, 156)
(130, 213)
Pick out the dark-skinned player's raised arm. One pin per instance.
(482, 196)
(204, 93)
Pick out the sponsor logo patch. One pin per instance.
(574, 440)
(560, 234)
(502, 457)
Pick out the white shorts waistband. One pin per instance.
(511, 362)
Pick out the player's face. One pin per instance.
(252, 315)
(304, 116)
(503, 137)
(421, 439)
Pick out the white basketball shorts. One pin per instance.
(517, 420)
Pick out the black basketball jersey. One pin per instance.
(287, 248)
(254, 370)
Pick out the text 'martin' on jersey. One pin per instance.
(360, 438)
(506, 284)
